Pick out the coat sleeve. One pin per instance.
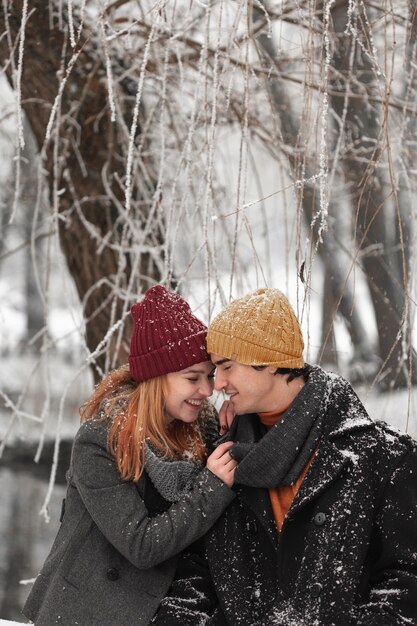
(191, 599)
(120, 513)
(393, 585)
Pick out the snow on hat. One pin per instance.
(259, 329)
(167, 337)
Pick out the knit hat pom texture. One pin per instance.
(259, 329)
(167, 337)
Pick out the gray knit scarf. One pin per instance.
(280, 456)
(174, 478)
(171, 478)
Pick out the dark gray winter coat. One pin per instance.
(114, 559)
(347, 552)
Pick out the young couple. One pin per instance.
(304, 512)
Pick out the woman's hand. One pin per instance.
(226, 416)
(221, 463)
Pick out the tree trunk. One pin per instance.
(407, 179)
(85, 149)
(372, 199)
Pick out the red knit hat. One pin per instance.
(167, 337)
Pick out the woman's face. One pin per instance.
(187, 389)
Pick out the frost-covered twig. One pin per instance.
(18, 84)
(321, 215)
(44, 509)
(134, 125)
(109, 72)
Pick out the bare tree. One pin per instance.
(380, 224)
(359, 107)
(337, 294)
(65, 98)
(132, 106)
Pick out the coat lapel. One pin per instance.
(326, 467)
(346, 415)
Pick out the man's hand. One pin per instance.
(226, 416)
(221, 463)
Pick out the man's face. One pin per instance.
(250, 390)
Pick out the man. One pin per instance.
(324, 527)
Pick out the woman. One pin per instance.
(138, 492)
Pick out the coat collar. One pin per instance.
(345, 417)
(345, 413)
(325, 469)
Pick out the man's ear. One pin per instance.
(272, 369)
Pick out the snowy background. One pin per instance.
(227, 190)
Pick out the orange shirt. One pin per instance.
(282, 497)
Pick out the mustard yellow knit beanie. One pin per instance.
(259, 329)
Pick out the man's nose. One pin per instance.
(220, 381)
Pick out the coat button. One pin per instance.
(112, 573)
(316, 590)
(319, 518)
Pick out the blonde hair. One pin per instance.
(137, 412)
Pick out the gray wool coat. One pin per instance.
(112, 560)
